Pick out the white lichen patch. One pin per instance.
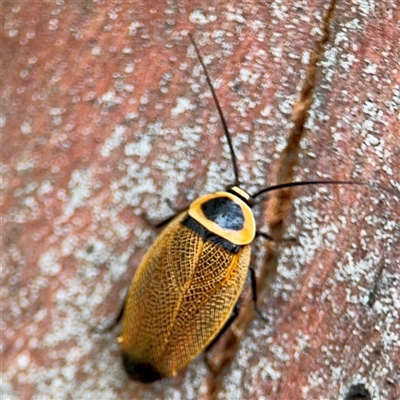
(49, 263)
(134, 27)
(80, 187)
(116, 138)
(110, 98)
(141, 147)
(182, 105)
(201, 18)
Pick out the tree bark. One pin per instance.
(108, 123)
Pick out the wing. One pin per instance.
(208, 303)
(182, 295)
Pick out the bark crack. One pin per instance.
(300, 115)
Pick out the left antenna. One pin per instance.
(221, 115)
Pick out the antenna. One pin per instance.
(322, 182)
(221, 116)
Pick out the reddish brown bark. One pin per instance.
(108, 123)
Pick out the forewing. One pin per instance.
(157, 291)
(208, 303)
(180, 298)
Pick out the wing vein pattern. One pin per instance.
(187, 291)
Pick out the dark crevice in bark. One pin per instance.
(281, 202)
(300, 114)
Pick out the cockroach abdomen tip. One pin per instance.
(140, 371)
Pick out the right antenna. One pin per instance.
(221, 116)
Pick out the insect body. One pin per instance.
(188, 283)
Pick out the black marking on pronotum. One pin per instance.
(224, 212)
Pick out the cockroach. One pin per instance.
(189, 281)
